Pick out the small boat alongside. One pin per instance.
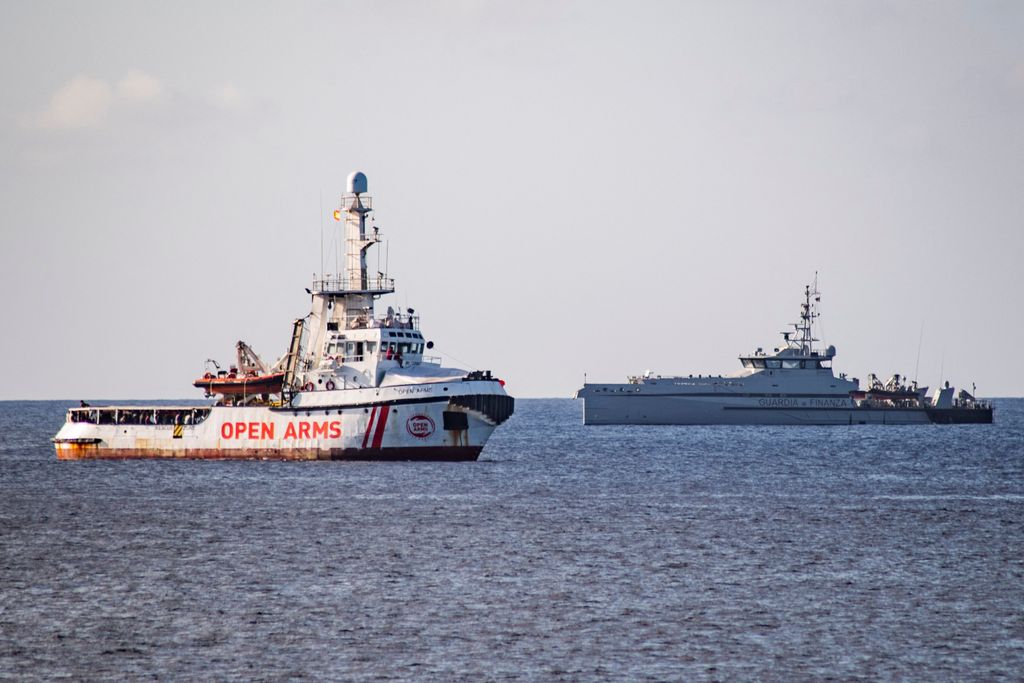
(794, 384)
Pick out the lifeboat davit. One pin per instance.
(240, 385)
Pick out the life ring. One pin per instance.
(208, 376)
(330, 385)
(308, 386)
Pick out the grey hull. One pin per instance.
(680, 410)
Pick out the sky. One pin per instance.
(568, 189)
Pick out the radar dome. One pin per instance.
(357, 182)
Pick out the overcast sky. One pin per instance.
(566, 187)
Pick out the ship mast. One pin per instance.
(808, 314)
(357, 207)
(356, 287)
(343, 301)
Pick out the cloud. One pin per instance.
(85, 102)
(229, 96)
(79, 103)
(139, 87)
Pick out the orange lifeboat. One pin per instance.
(232, 384)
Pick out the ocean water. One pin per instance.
(567, 553)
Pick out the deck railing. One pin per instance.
(379, 283)
(399, 321)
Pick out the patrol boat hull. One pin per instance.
(604, 404)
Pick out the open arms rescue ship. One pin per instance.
(353, 384)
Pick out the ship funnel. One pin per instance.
(356, 182)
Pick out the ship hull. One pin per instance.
(446, 422)
(433, 454)
(971, 415)
(660, 409)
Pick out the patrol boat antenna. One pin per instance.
(804, 341)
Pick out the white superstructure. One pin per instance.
(354, 384)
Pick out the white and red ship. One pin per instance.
(353, 385)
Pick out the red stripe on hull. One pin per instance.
(369, 426)
(441, 453)
(382, 421)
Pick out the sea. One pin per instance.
(566, 553)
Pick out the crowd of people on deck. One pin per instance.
(136, 416)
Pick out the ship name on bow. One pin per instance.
(803, 403)
(413, 390)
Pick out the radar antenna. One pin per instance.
(808, 314)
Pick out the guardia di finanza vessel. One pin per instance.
(793, 385)
(354, 384)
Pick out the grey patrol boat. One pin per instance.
(793, 385)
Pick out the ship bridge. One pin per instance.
(790, 358)
(344, 342)
(798, 351)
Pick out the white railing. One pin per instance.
(349, 200)
(354, 284)
(359, 321)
